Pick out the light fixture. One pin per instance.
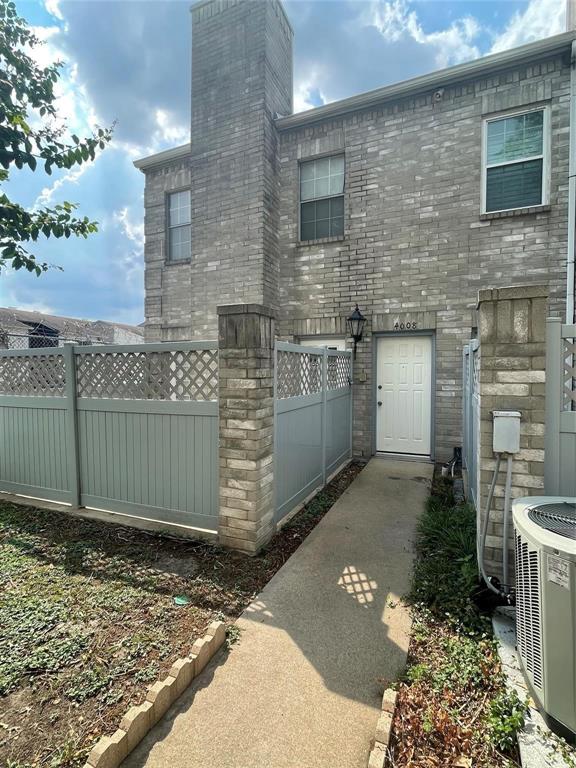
(355, 325)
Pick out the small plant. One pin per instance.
(147, 674)
(87, 683)
(233, 633)
(417, 673)
(505, 719)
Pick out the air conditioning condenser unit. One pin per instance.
(545, 542)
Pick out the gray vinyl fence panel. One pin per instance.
(471, 417)
(313, 420)
(131, 429)
(560, 436)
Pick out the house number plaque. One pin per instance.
(405, 326)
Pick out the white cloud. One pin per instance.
(132, 229)
(542, 18)
(47, 195)
(395, 21)
(74, 108)
(29, 306)
(304, 90)
(169, 130)
(53, 8)
(131, 258)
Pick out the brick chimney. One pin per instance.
(241, 78)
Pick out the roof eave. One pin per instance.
(432, 81)
(161, 158)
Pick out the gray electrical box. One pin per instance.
(506, 433)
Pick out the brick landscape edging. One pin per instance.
(109, 751)
(379, 751)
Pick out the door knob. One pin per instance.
(379, 386)
(379, 402)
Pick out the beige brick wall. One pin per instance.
(416, 247)
(246, 419)
(512, 332)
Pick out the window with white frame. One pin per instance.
(179, 230)
(322, 198)
(515, 161)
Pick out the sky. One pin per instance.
(129, 61)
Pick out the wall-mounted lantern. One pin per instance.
(355, 324)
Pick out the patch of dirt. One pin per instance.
(88, 618)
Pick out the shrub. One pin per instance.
(506, 719)
(446, 574)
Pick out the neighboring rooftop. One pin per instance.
(19, 321)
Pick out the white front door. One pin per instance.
(404, 394)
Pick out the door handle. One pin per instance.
(379, 386)
(379, 402)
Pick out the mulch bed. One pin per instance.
(453, 709)
(442, 717)
(89, 618)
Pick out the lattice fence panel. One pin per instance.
(569, 376)
(34, 375)
(170, 375)
(298, 373)
(339, 371)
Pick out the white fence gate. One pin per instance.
(312, 419)
(471, 416)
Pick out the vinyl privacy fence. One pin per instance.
(471, 415)
(560, 435)
(130, 429)
(313, 419)
(134, 429)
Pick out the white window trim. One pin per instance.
(302, 161)
(170, 228)
(330, 342)
(545, 156)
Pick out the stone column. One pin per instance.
(512, 332)
(246, 420)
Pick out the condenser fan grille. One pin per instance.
(558, 518)
(528, 618)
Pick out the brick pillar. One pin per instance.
(512, 332)
(246, 414)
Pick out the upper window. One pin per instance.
(322, 198)
(179, 231)
(515, 161)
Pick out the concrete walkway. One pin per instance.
(302, 687)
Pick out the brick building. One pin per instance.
(406, 200)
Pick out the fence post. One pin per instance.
(324, 412)
(553, 406)
(72, 425)
(351, 382)
(246, 426)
